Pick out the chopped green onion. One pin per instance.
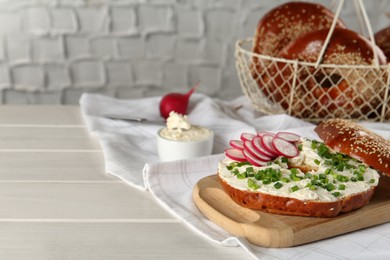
(278, 185)
(294, 188)
(235, 171)
(329, 187)
(241, 176)
(342, 187)
(285, 179)
(309, 175)
(336, 194)
(266, 181)
(252, 184)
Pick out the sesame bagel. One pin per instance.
(348, 137)
(382, 39)
(318, 182)
(287, 22)
(329, 89)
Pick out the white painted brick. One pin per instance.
(17, 96)
(212, 51)
(230, 83)
(4, 75)
(219, 24)
(131, 48)
(202, 4)
(92, 19)
(36, 20)
(154, 18)
(72, 96)
(119, 73)
(56, 76)
(175, 75)
(130, 92)
(103, 47)
(18, 48)
(2, 50)
(9, 23)
(46, 49)
(165, 44)
(230, 4)
(64, 20)
(187, 50)
(162, 2)
(189, 23)
(71, 2)
(160, 45)
(14, 97)
(248, 23)
(123, 20)
(48, 97)
(87, 73)
(77, 46)
(28, 77)
(148, 72)
(209, 76)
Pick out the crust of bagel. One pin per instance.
(294, 207)
(348, 137)
(288, 21)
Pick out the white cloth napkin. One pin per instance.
(130, 154)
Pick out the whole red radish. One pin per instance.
(176, 102)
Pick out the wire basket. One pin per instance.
(276, 85)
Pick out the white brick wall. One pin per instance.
(51, 51)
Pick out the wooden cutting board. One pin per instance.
(271, 230)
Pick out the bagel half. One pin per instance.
(348, 137)
(324, 180)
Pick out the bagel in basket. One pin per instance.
(292, 35)
(328, 91)
(382, 39)
(278, 27)
(319, 180)
(287, 22)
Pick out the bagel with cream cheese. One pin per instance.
(325, 179)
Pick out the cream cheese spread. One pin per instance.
(179, 129)
(330, 175)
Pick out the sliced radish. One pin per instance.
(285, 148)
(261, 133)
(247, 137)
(266, 142)
(237, 144)
(256, 142)
(235, 154)
(253, 160)
(250, 149)
(289, 136)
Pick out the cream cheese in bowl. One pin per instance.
(181, 140)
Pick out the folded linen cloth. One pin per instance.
(130, 154)
(171, 183)
(127, 146)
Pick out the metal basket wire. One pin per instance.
(364, 97)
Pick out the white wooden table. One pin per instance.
(57, 202)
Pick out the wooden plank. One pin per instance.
(53, 166)
(47, 138)
(40, 115)
(109, 241)
(272, 230)
(76, 200)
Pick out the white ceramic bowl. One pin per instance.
(170, 150)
